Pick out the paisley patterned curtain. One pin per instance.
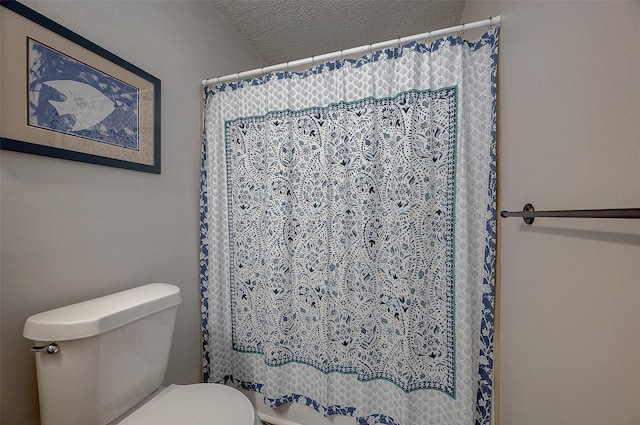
(348, 234)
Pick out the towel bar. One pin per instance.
(528, 213)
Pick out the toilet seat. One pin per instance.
(195, 404)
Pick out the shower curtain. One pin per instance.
(348, 230)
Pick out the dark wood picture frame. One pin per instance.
(99, 109)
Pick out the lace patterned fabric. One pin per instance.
(341, 237)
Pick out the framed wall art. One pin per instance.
(65, 97)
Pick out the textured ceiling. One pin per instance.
(286, 30)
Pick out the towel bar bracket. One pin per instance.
(528, 208)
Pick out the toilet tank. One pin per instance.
(113, 352)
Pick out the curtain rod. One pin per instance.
(529, 213)
(348, 52)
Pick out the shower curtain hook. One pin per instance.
(425, 42)
(427, 38)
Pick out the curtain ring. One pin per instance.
(427, 38)
(341, 57)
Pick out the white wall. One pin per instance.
(569, 126)
(72, 231)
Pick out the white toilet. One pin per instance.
(102, 362)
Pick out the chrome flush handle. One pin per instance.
(52, 348)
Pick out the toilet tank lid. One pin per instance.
(102, 314)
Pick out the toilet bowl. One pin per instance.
(103, 361)
(195, 404)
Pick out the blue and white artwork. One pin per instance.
(70, 97)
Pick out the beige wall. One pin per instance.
(569, 137)
(72, 231)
